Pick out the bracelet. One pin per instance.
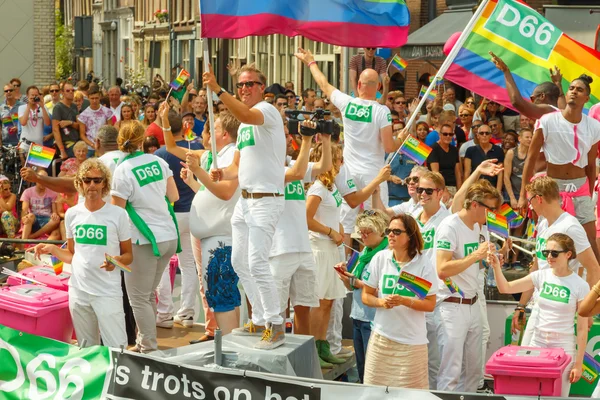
(311, 63)
(329, 234)
(596, 289)
(166, 129)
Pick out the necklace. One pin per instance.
(33, 117)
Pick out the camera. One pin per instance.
(323, 126)
(36, 99)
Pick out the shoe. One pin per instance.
(325, 353)
(186, 322)
(249, 329)
(324, 364)
(165, 323)
(204, 338)
(273, 337)
(345, 353)
(485, 389)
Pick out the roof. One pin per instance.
(438, 31)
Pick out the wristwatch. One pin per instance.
(220, 92)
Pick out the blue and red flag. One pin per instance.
(350, 23)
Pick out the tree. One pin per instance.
(63, 41)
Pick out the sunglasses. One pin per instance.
(470, 102)
(476, 126)
(291, 97)
(54, 91)
(68, 90)
(9, 90)
(401, 102)
(484, 133)
(553, 253)
(281, 104)
(396, 232)
(428, 191)
(87, 180)
(370, 48)
(411, 180)
(447, 134)
(464, 115)
(248, 84)
(485, 205)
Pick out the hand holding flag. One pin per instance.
(110, 263)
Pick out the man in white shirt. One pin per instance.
(32, 117)
(114, 97)
(258, 165)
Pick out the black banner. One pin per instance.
(139, 377)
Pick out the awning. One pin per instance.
(428, 41)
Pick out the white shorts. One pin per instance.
(348, 215)
(329, 285)
(295, 275)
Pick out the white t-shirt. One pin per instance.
(117, 111)
(94, 234)
(328, 212)
(557, 302)
(29, 131)
(262, 152)
(454, 236)
(209, 215)
(345, 182)
(291, 234)
(429, 229)
(566, 224)
(400, 324)
(409, 207)
(142, 180)
(363, 121)
(565, 142)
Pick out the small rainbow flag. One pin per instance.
(15, 118)
(591, 368)
(531, 230)
(57, 265)
(514, 220)
(497, 223)
(6, 120)
(431, 95)
(399, 62)
(417, 285)
(352, 262)
(415, 149)
(189, 135)
(113, 261)
(453, 287)
(180, 80)
(40, 156)
(440, 81)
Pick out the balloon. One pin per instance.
(451, 42)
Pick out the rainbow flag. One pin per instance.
(591, 368)
(352, 261)
(431, 95)
(6, 120)
(514, 219)
(180, 80)
(40, 156)
(415, 149)
(399, 62)
(453, 287)
(57, 265)
(356, 23)
(497, 223)
(417, 285)
(529, 44)
(111, 260)
(531, 230)
(189, 135)
(15, 118)
(440, 81)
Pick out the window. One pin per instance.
(185, 54)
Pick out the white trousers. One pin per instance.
(433, 348)
(459, 336)
(485, 340)
(189, 276)
(253, 225)
(567, 342)
(334, 329)
(97, 316)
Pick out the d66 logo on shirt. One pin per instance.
(470, 247)
(540, 246)
(245, 138)
(428, 238)
(557, 293)
(359, 113)
(391, 286)
(91, 234)
(294, 191)
(148, 173)
(338, 198)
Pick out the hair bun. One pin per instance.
(586, 78)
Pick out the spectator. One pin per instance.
(525, 122)
(470, 103)
(389, 102)
(119, 84)
(289, 85)
(308, 99)
(9, 113)
(8, 207)
(444, 159)
(70, 166)
(39, 215)
(16, 84)
(466, 120)
(450, 98)
(155, 130)
(397, 353)
(447, 117)
(433, 117)
(422, 131)
(412, 206)
(126, 115)
(78, 101)
(510, 141)
(482, 151)
(93, 118)
(221, 107)
(291, 98)
(114, 97)
(368, 60)
(150, 145)
(136, 105)
(495, 124)
(469, 143)
(400, 106)
(199, 107)
(149, 115)
(32, 117)
(67, 131)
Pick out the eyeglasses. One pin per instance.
(291, 96)
(54, 90)
(369, 48)
(464, 115)
(248, 84)
(396, 232)
(87, 180)
(428, 191)
(482, 204)
(447, 134)
(470, 102)
(484, 133)
(281, 104)
(529, 200)
(553, 253)
(370, 213)
(476, 126)
(68, 90)
(401, 102)
(411, 180)
(9, 90)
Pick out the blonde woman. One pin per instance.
(397, 352)
(326, 234)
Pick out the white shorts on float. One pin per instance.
(295, 275)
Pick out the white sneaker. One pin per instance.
(249, 329)
(164, 323)
(273, 337)
(186, 322)
(344, 353)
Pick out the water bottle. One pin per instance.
(491, 277)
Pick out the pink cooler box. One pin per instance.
(530, 371)
(38, 310)
(43, 274)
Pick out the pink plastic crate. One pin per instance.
(44, 274)
(38, 310)
(528, 371)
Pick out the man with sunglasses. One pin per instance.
(67, 131)
(359, 63)
(543, 197)
(258, 165)
(9, 113)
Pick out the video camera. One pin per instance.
(323, 126)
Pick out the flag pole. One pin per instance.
(445, 65)
(211, 116)
(24, 166)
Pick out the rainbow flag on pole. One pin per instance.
(497, 224)
(591, 368)
(415, 150)
(399, 62)
(189, 135)
(417, 285)
(431, 95)
(114, 262)
(529, 44)
(57, 265)
(453, 287)
(440, 81)
(356, 23)
(514, 219)
(180, 80)
(40, 156)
